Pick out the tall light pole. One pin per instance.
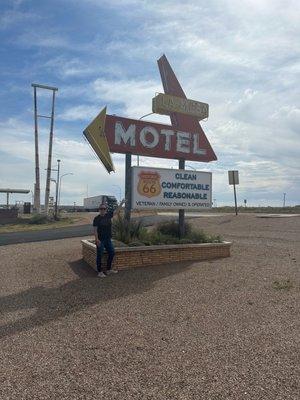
(57, 185)
(284, 194)
(37, 205)
(47, 192)
(69, 173)
(37, 189)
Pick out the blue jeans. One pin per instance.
(109, 247)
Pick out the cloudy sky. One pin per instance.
(240, 56)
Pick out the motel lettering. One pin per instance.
(151, 138)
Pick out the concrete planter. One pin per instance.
(132, 257)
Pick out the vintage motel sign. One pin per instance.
(166, 104)
(110, 133)
(151, 139)
(95, 135)
(183, 140)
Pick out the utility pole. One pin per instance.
(284, 194)
(37, 189)
(47, 191)
(57, 185)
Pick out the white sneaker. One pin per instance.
(102, 275)
(111, 271)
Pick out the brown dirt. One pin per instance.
(87, 217)
(214, 330)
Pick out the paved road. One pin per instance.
(45, 234)
(66, 232)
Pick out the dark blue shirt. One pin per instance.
(103, 224)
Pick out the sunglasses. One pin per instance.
(102, 208)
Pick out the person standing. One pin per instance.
(102, 230)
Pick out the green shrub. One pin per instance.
(125, 231)
(147, 242)
(198, 237)
(169, 232)
(133, 234)
(202, 237)
(185, 241)
(171, 228)
(171, 240)
(136, 243)
(155, 237)
(117, 243)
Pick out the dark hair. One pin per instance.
(103, 207)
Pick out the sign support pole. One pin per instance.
(181, 211)
(234, 190)
(128, 187)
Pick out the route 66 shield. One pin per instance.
(149, 184)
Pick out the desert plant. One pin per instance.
(133, 234)
(136, 243)
(185, 241)
(201, 237)
(125, 231)
(172, 228)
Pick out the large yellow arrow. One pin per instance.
(95, 135)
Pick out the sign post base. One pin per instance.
(128, 186)
(181, 212)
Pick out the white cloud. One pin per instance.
(49, 40)
(13, 17)
(79, 113)
(136, 96)
(240, 57)
(70, 68)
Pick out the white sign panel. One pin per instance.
(233, 177)
(165, 189)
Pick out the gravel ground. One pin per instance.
(224, 329)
